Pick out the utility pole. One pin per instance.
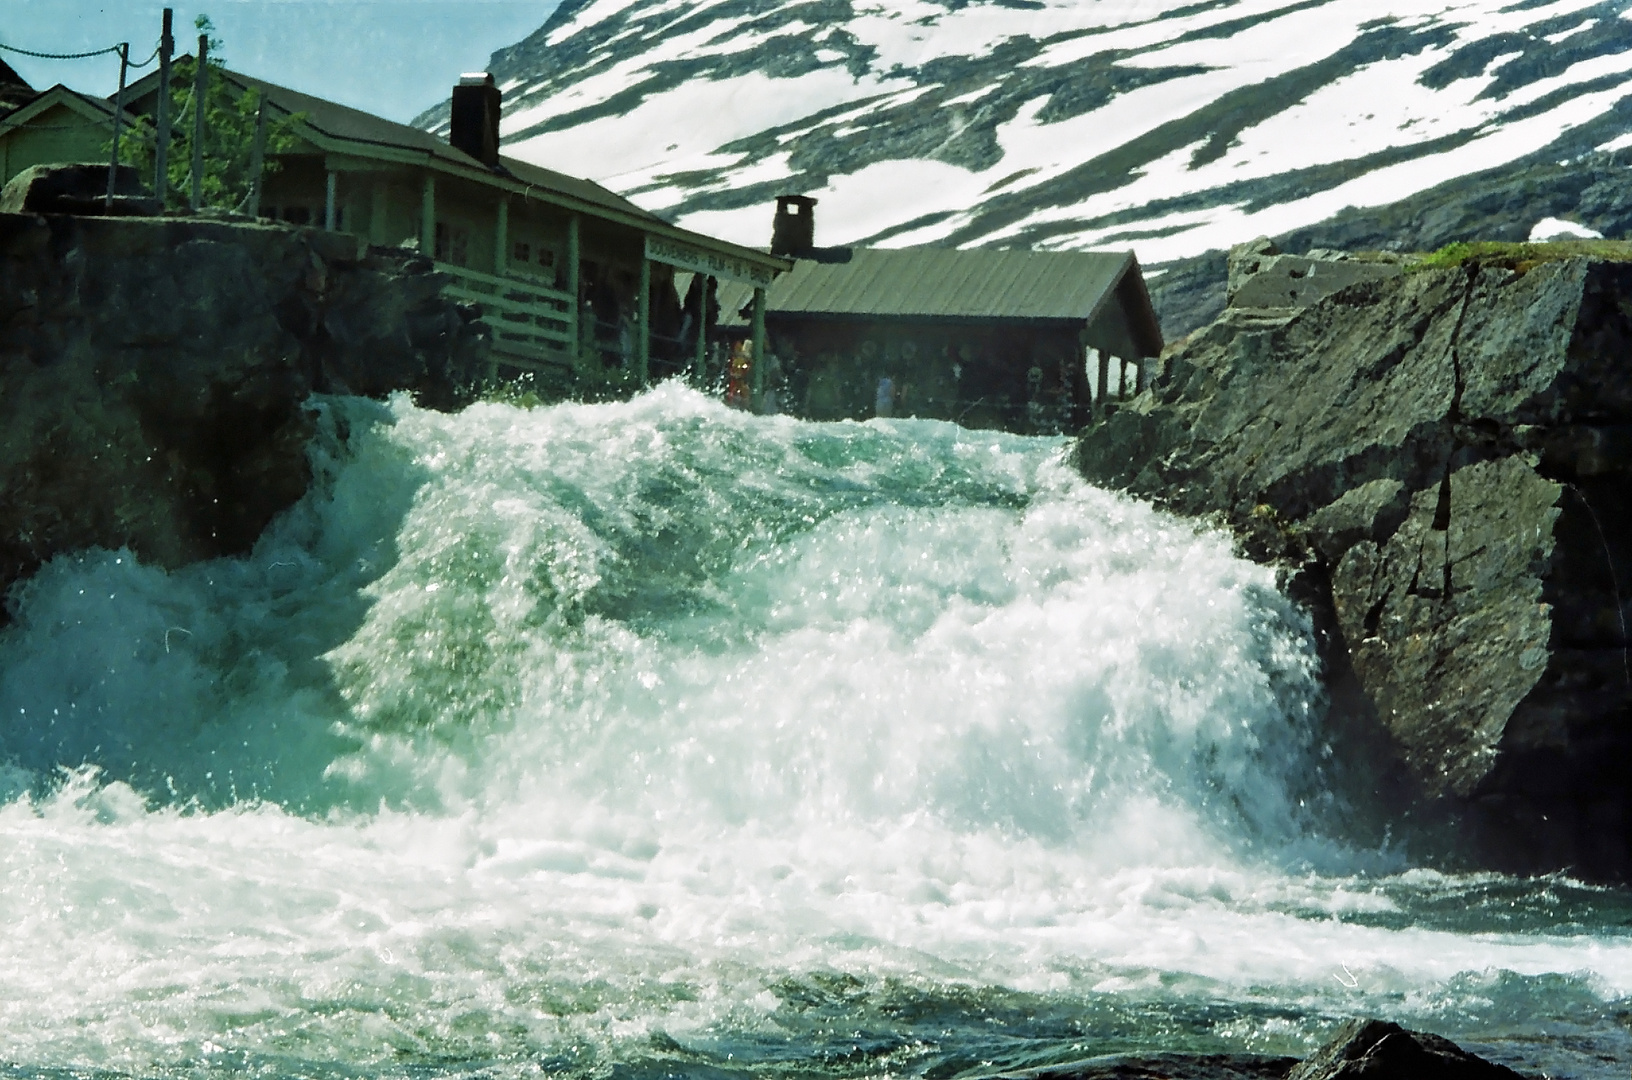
(201, 87)
(118, 115)
(161, 155)
(257, 164)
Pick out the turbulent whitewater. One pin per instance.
(654, 739)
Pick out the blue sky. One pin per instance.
(390, 57)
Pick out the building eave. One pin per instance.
(445, 160)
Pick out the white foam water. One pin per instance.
(654, 737)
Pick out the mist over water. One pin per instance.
(654, 738)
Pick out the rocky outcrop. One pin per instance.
(1360, 1050)
(1379, 1050)
(1261, 276)
(77, 189)
(1501, 204)
(1440, 461)
(154, 374)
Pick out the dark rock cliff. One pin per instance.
(1440, 461)
(153, 374)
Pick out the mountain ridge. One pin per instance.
(1172, 128)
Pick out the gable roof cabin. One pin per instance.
(55, 125)
(988, 338)
(564, 271)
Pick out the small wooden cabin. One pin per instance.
(55, 125)
(991, 339)
(571, 278)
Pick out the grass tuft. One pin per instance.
(1522, 257)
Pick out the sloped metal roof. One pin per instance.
(355, 125)
(1103, 290)
(948, 283)
(362, 130)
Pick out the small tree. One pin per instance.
(229, 135)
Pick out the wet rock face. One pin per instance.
(154, 374)
(1262, 277)
(1379, 1050)
(1441, 462)
(1360, 1050)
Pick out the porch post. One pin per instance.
(377, 207)
(201, 89)
(1104, 394)
(427, 217)
(118, 114)
(758, 374)
(161, 150)
(702, 328)
(575, 308)
(330, 209)
(643, 322)
(501, 238)
(1081, 384)
(257, 161)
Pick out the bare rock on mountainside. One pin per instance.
(1500, 204)
(1441, 460)
(154, 374)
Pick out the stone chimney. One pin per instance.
(794, 231)
(475, 127)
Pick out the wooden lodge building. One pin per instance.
(996, 339)
(578, 283)
(567, 274)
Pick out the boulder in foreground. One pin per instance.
(1379, 1050)
(1361, 1050)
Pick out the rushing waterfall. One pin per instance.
(657, 739)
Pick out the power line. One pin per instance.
(152, 56)
(60, 56)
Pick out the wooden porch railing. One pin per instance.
(534, 327)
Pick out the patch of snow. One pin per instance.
(961, 99)
(1232, 225)
(1368, 111)
(1620, 142)
(586, 16)
(849, 208)
(1133, 26)
(699, 116)
(1558, 229)
(1551, 39)
(1585, 71)
(1483, 19)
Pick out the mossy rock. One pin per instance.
(1522, 257)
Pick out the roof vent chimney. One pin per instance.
(475, 128)
(794, 231)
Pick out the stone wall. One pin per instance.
(1440, 461)
(153, 374)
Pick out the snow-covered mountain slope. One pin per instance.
(1169, 126)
